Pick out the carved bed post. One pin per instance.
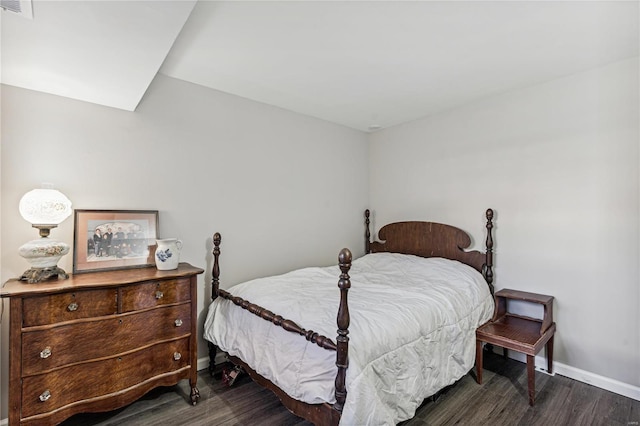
(488, 273)
(215, 280)
(342, 341)
(367, 234)
(215, 286)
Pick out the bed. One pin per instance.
(407, 312)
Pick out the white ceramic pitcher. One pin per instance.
(168, 253)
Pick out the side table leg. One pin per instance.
(531, 375)
(479, 361)
(549, 351)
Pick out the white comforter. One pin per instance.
(412, 332)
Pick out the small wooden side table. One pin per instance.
(519, 333)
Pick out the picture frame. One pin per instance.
(114, 239)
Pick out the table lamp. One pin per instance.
(44, 208)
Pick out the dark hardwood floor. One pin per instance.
(500, 400)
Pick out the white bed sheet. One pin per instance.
(412, 332)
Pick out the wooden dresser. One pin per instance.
(98, 341)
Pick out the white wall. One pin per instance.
(285, 190)
(559, 164)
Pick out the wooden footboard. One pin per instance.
(319, 414)
(265, 314)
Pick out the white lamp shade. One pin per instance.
(45, 207)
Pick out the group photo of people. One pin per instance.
(116, 240)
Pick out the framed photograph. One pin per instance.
(114, 239)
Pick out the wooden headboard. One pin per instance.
(429, 239)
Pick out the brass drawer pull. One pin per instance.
(159, 294)
(72, 307)
(177, 356)
(178, 322)
(45, 353)
(45, 395)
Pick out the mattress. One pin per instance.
(412, 332)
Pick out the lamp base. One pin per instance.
(36, 275)
(43, 255)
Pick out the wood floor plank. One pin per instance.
(551, 406)
(613, 410)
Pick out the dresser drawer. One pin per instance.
(55, 308)
(154, 293)
(47, 392)
(54, 347)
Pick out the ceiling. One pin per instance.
(365, 65)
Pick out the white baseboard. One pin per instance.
(203, 363)
(602, 382)
(583, 376)
(4, 422)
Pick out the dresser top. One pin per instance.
(15, 287)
